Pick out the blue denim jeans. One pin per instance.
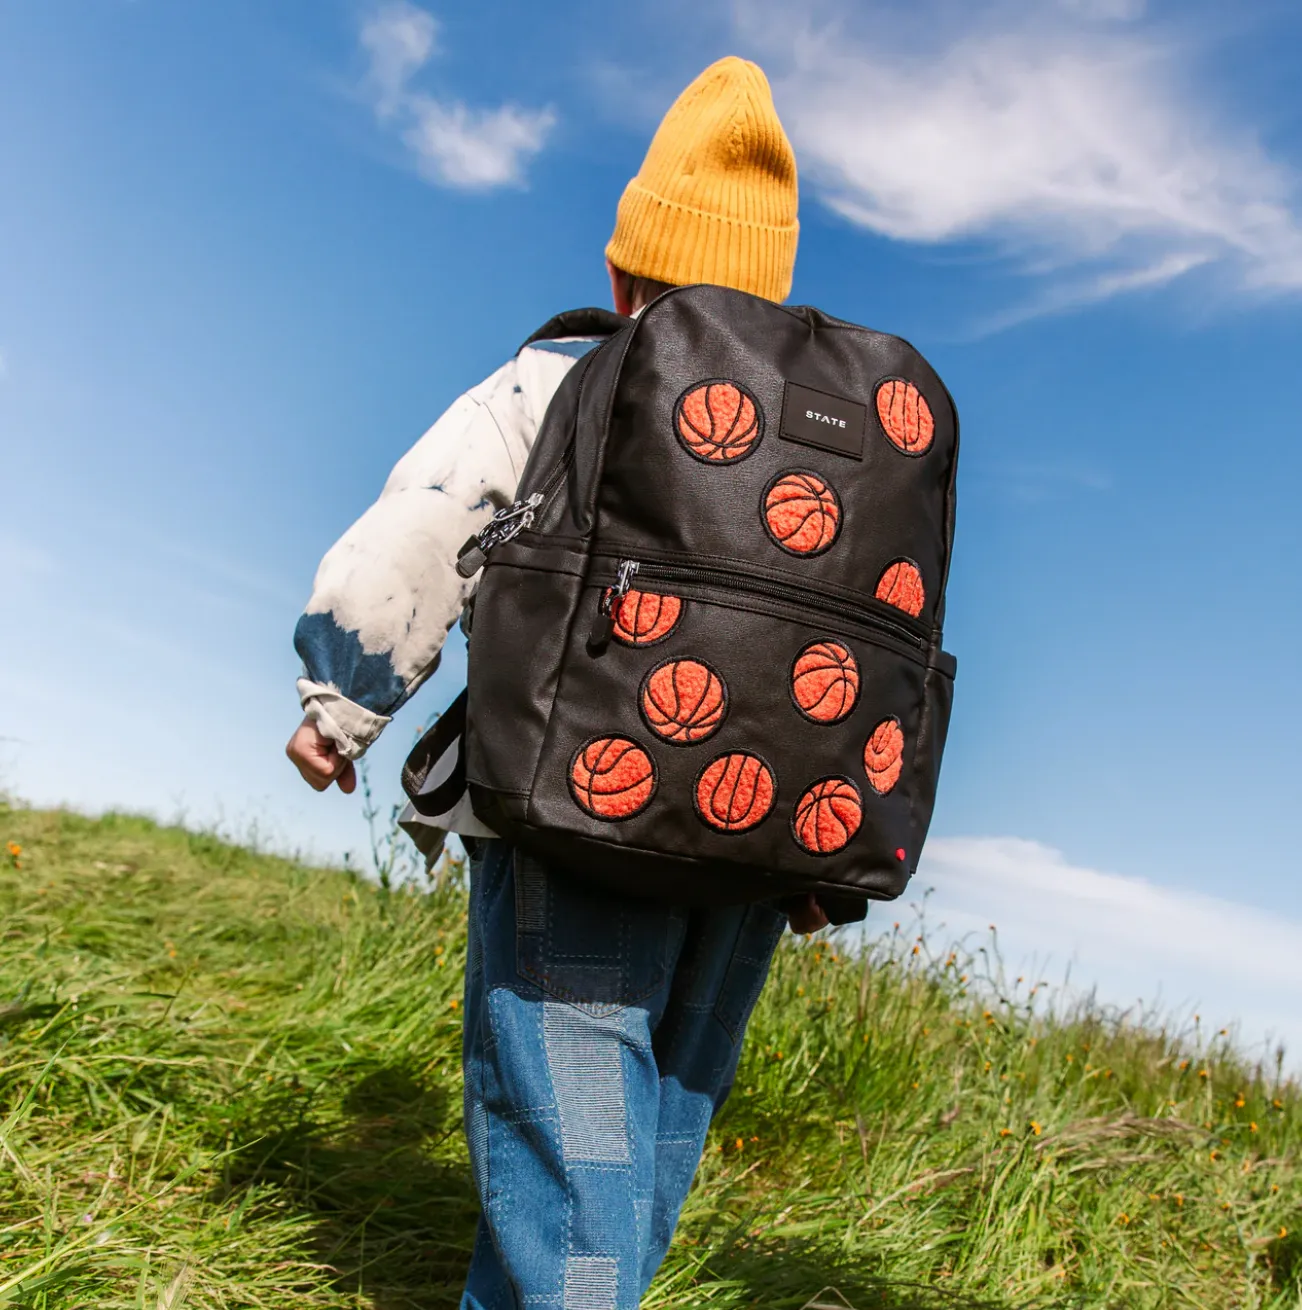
(601, 1034)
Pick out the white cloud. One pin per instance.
(399, 40)
(1071, 137)
(1125, 937)
(451, 144)
(475, 149)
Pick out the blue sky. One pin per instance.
(249, 252)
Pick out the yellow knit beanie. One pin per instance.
(715, 199)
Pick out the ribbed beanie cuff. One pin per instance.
(659, 239)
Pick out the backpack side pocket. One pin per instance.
(522, 615)
(933, 728)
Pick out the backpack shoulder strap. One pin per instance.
(589, 322)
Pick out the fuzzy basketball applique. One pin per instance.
(802, 513)
(735, 792)
(683, 701)
(825, 681)
(612, 778)
(644, 617)
(827, 816)
(718, 422)
(905, 416)
(883, 756)
(901, 585)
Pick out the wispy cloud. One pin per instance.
(1124, 936)
(398, 40)
(450, 143)
(1072, 137)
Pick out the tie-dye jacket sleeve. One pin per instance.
(387, 592)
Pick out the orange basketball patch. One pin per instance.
(906, 416)
(883, 756)
(683, 701)
(644, 617)
(802, 513)
(901, 585)
(827, 816)
(735, 792)
(825, 681)
(718, 421)
(612, 778)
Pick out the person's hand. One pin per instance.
(807, 915)
(317, 758)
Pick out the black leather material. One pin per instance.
(588, 322)
(618, 484)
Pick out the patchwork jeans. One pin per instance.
(601, 1034)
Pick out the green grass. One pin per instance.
(227, 1080)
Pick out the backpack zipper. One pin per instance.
(511, 521)
(507, 523)
(735, 580)
(604, 627)
(504, 525)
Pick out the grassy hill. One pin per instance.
(227, 1080)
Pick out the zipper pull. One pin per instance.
(504, 525)
(604, 626)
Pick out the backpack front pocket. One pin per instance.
(737, 723)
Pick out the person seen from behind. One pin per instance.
(585, 1118)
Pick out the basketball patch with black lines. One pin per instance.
(901, 585)
(827, 816)
(801, 512)
(612, 778)
(905, 416)
(643, 618)
(825, 681)
(735, 792)
(883, 756)
(683, 701)
(718, 421)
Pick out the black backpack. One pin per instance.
(705, 656)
